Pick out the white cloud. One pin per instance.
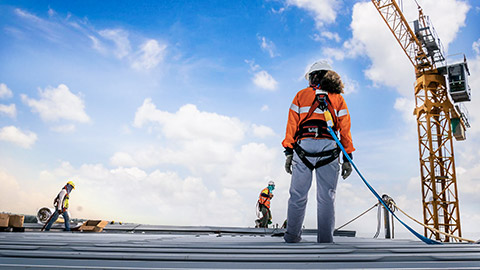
(323, 11)
(17, 196)
(120, 38)
(351, 86)
(381, 47)
(204, 143)
(252, 161)
(264, 80)
(138, 196)
(151, 53)
(262, 131)
(58, 103)
(334, 53)
(405, 106)
(14, 135)
(350, 49)
(268, 46)
(447, 17)
(188, 123)
(10, 110)
(264, 108)
(327, 35)
(476, 46)
(372, 38)
(122, 159)
(64, 128)
(97, 44)
(5, 92)
(279, 11)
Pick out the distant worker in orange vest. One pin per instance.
(61, 204)
(264, 206)
(310, 147)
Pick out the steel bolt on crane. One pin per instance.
(439, 118)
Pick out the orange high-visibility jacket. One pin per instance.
(299, 109)
(265, 197)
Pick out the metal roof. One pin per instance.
(221, 248)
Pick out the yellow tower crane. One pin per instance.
(440, 116)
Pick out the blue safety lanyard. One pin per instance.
(332, 133)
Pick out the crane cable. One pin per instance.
(433, 229)
(419, 236)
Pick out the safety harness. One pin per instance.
(65, 201)
(317, 129)
(264, 198)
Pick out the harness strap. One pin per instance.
(322, 102)
(302, 154)
(314, 128)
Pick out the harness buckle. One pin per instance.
(313, 130)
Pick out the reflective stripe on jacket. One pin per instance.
(265, 197)
(299, 109)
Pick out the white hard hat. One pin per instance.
(319, 65)
(271, 183)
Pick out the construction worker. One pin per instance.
(264, 206)
(309, 146)
(61, 206)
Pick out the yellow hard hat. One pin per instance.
(71, 184)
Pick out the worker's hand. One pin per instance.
(288, 164)
(346, 169)
(59, 211)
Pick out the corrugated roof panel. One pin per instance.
(62, 250)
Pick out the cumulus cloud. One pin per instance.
(371, 37)
(14, 135)
(135, 195)
(9, 110)
(252, 161)
(262, 131)
(381, 47)
(323, 11)
(120, 39)
(20, 196)
(150, 54)
(5, 92)
(58, 103)
(447, 17)
(262, 78)
(405, 106)
(189, 123)
(204, 143)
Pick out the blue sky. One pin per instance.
(172, 112)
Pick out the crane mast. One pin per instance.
(434, 112)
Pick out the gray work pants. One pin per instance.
(327, 177)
